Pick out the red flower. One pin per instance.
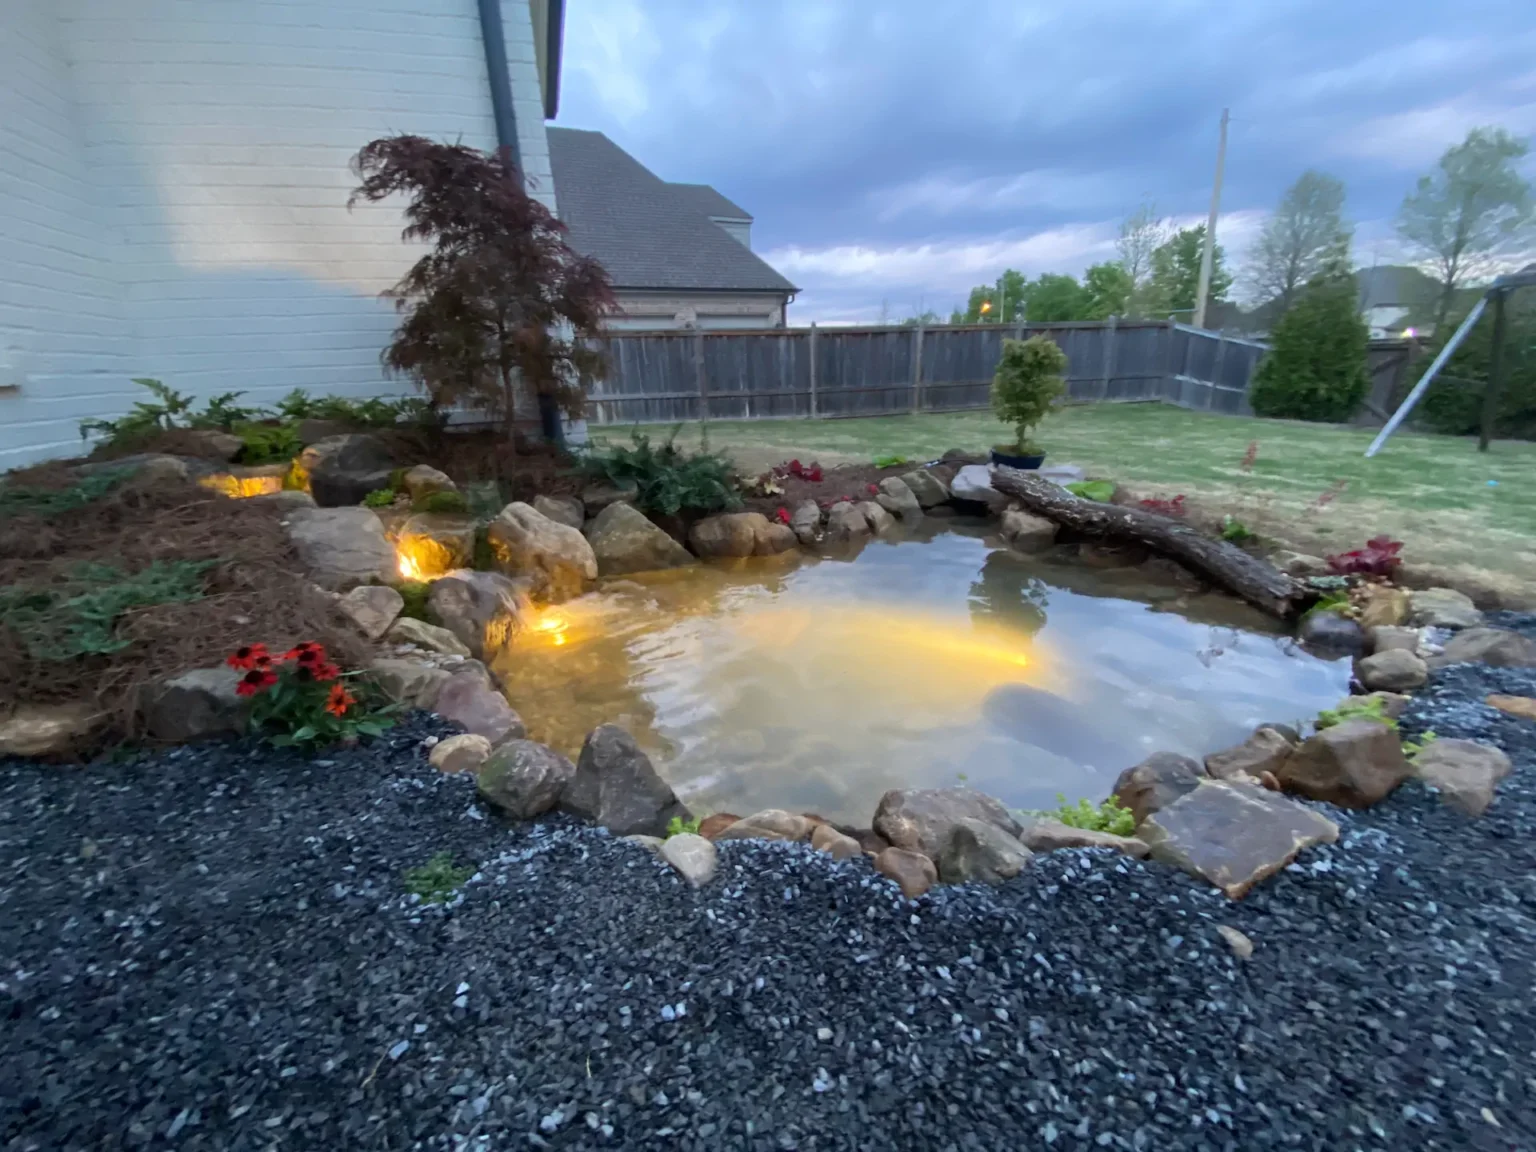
(325, 673)
(254, 681)
(307, 652)
(250, 656)
(874, 489)
(339, 700)
(783, 514)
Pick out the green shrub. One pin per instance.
(1454, 403)
(677, 826)
(449, 502)
(369, 413)
(414, 593)
(667, 480)
(1101, 491)
(78, 616)
(436, 881)
(1234, 531)
(1316, 365)
(1026, 384)
(379, 498)
(223, 413)
(22, 500)
(1105, 817)
(267, 443)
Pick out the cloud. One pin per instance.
(911, 147)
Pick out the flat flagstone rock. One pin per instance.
(1045, 835)
(769, 824)
(1233, 835)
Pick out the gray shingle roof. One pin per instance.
(1390, 285)
(646, 232)
(704, 199)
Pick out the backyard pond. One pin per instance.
(936, 659)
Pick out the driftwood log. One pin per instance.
(1249, 577)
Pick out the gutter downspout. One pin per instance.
(493, 36)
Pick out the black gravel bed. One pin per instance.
(211, 948)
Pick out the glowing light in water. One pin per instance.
(409, 569)
(554, 626)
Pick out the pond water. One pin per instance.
(815, 684)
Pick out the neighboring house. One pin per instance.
(174, 180)
(679, 255)
(1393, 297)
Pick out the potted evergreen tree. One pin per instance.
(1026, 384)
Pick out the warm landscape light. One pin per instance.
(409, 569)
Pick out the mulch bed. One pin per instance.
(255, 592)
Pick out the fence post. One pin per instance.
(703, 386)
(917, 369)
(814, 413)
(1108, 362)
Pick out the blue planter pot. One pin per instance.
(1012, 460)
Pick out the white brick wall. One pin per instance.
(175, 176)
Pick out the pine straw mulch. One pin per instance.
(256, 592)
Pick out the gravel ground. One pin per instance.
(211, 949)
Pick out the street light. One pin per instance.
(986, 306)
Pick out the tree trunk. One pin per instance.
(1249, 577)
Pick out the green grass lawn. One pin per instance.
(1430, 491)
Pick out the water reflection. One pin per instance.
(819, 683)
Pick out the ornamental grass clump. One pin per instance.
(302, 697)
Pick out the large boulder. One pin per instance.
(567, 510)
(769, 824)
(523, 779)
(433, 543)
(1155, 783)
(1393, 670)
(1442, 608)
(423, 480)
(980, 851)
(371, 608)
(806, 522)
(1353, 764)
(1045, 835)
(845, 523)
(927, 487)
(879, 520)
(1465, 773)
(921, 819)
(913, 871)
(481, 608)
(555, 559)
(409, 630)
(973, 483)
(470, 700)
(410, 683)
(733, 534)
(344, 469)
(1233, 835)
(1027, 532)
(1262, 752)
(195, 705)
(341, 548)
(600, 496)
(1494, 646)
(773, 538)
(616, 786)
(1331, 632)
(898, 499)
(624, 541)
(47, 729)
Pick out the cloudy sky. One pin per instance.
(895, 152)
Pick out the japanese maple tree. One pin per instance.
(500, 300)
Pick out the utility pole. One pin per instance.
(1208, 255)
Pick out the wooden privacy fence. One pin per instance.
(665, 377)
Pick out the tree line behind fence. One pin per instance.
(664, 377)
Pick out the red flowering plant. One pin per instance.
(301, 697)
(1164, 507)
(1380, 557)
(811, 473)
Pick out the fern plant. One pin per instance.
(666, 479)
(167, 410)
